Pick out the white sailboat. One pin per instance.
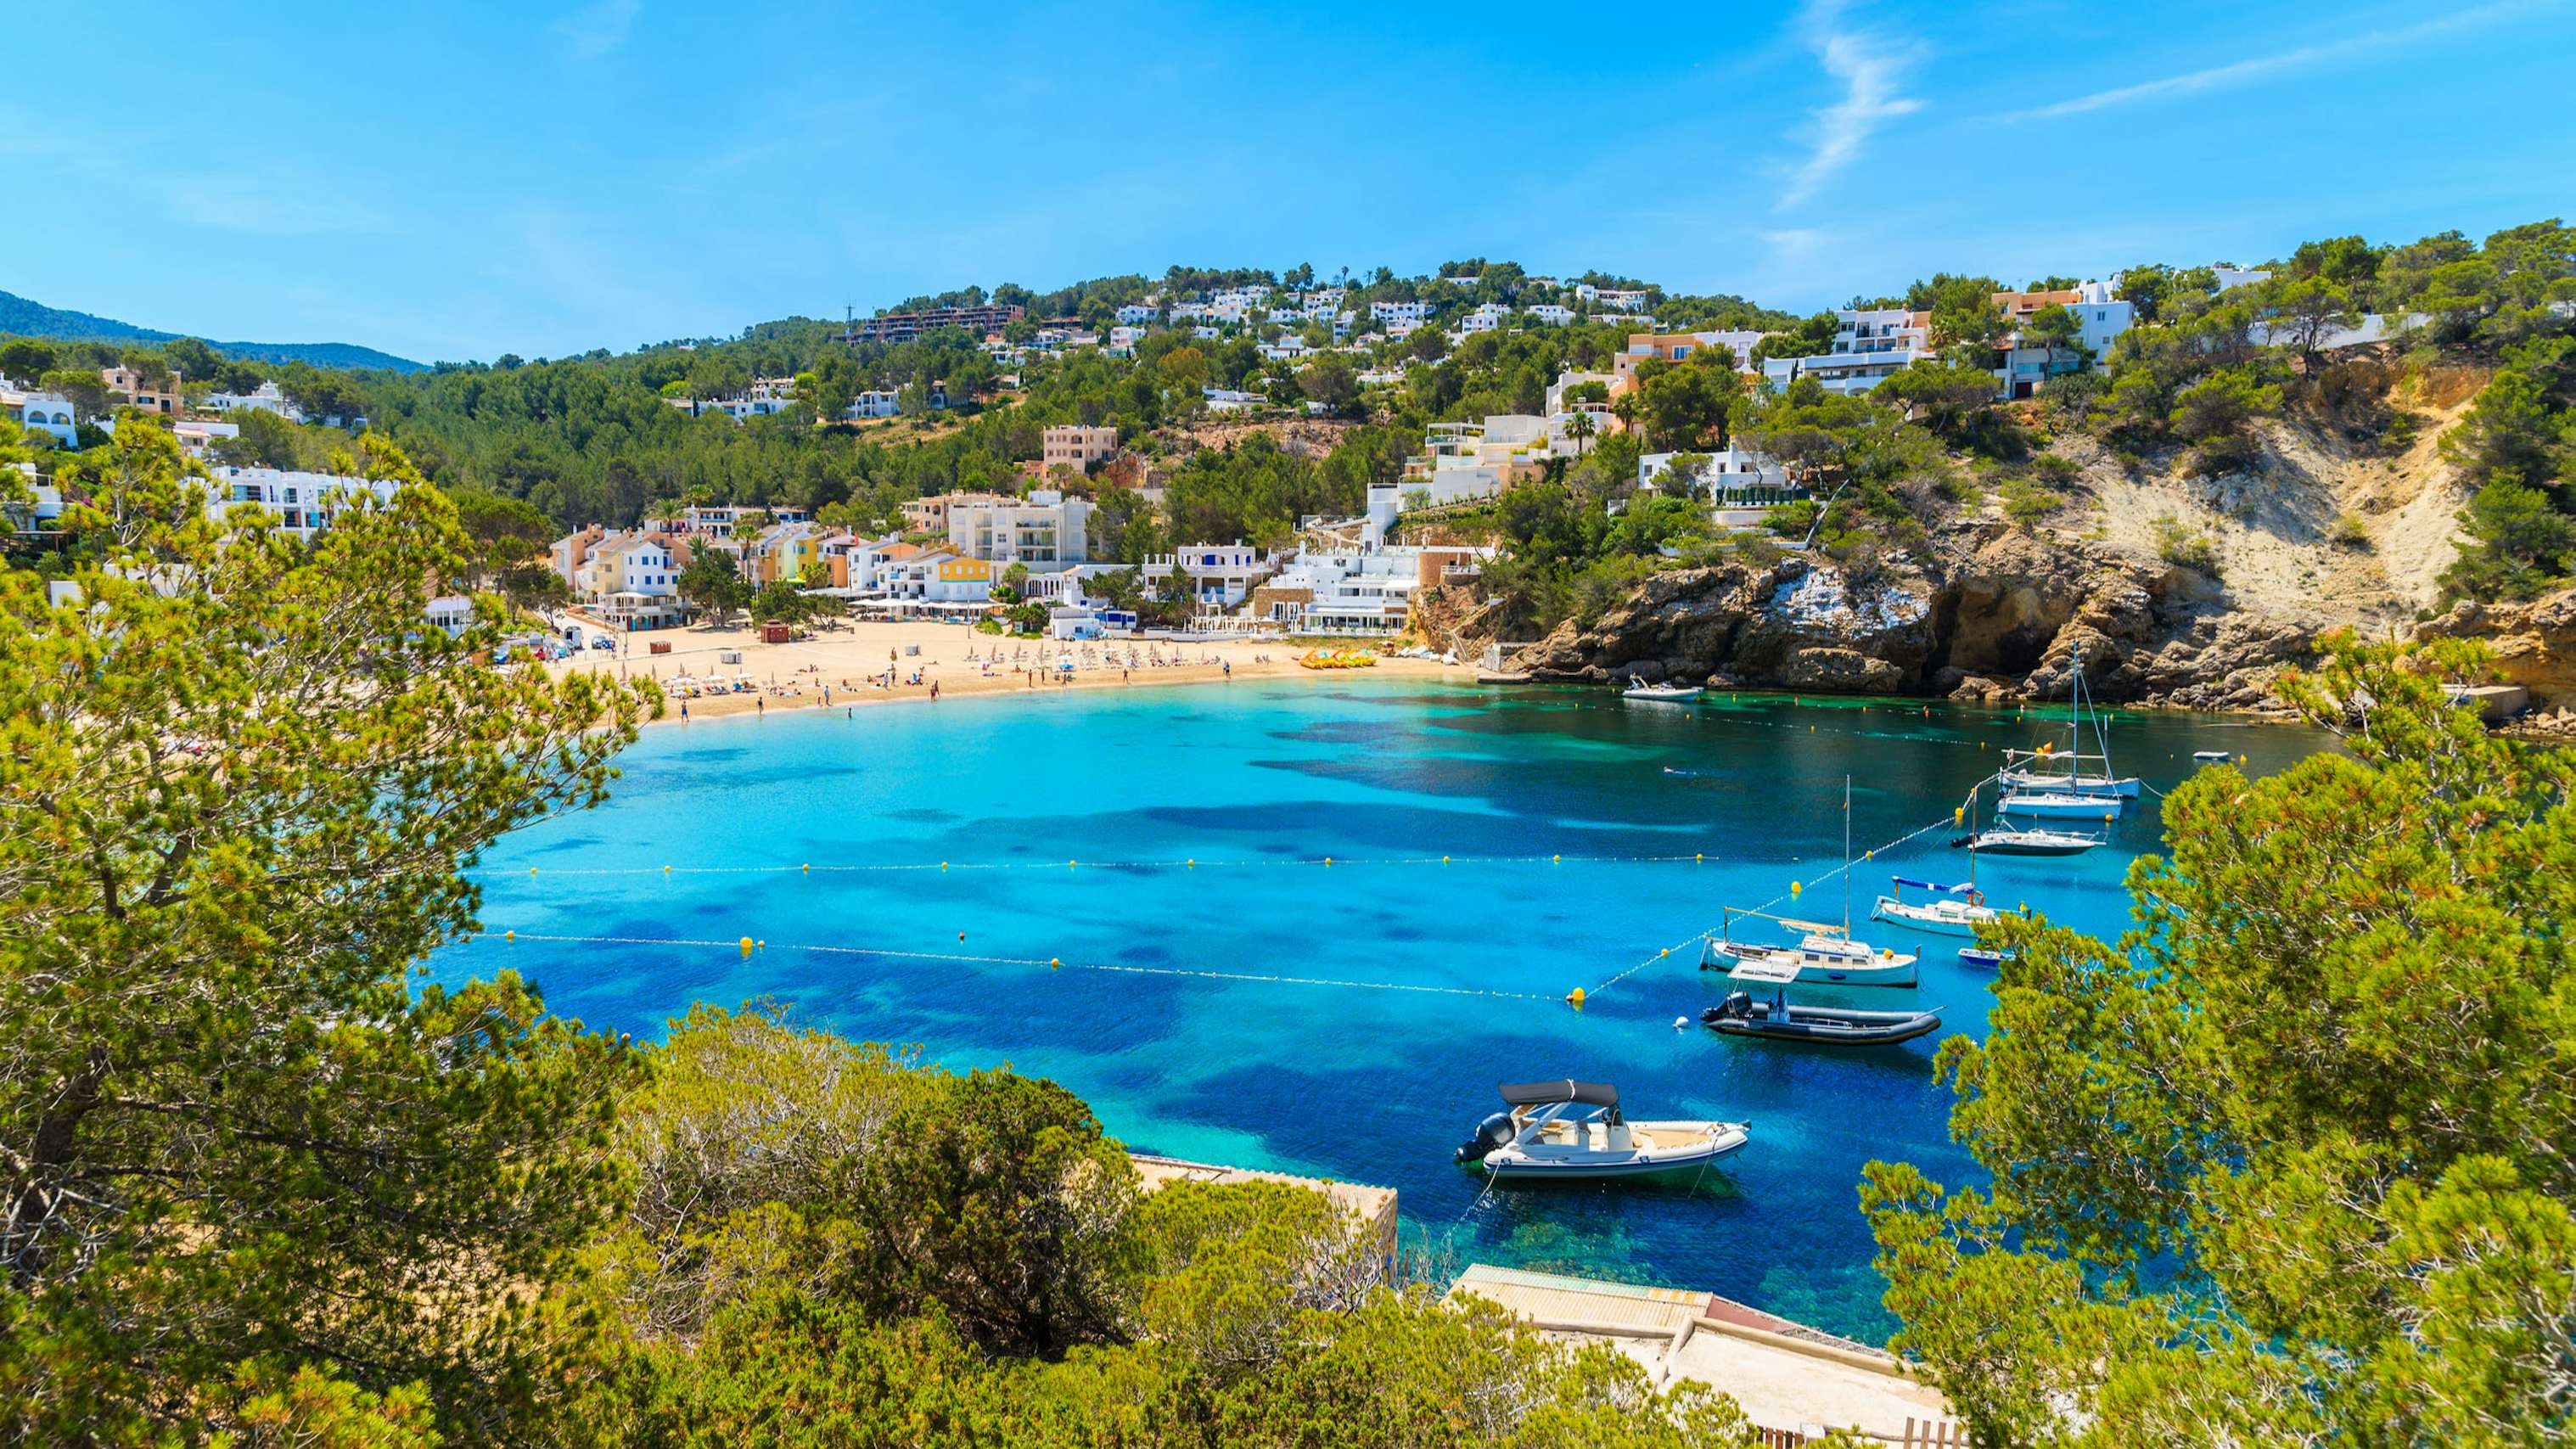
(1953, 910)
(1825, 954)
(2059, 805)
(2071, 771)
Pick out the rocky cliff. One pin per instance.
(2532, 644)
(2320, 530)
(1988, 611)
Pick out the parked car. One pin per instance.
(602, 641)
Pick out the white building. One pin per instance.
(1623, 301)
(1125, 337)
(1228, 400)
(1870, 346)
(264, 398)
(1361, 592)
(1221, 575)
(1550, 314)
(1412, 312)
(1567, 381)
(305, 503)
(1485, 318)
(874, 403)
(2231, 278)
(1044, 530)
(49, 413)
(1136, 314)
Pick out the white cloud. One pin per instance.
(2238, 72)
(596, 29)
(269, 206)
(1870, 68)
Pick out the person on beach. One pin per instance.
(763, 703)
(934, 690)
(684, 709)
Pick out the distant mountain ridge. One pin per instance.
(23, 318)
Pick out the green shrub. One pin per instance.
(2180, 544)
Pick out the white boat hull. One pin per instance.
(1886, 968)
(2062, 807)
(1673, 696)
(1941, 918)
(1691, 1146)
(2060, 783)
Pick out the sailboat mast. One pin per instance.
(1846, 855)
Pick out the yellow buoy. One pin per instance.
(1194, 863)
(1575, 996)
(1958, 813)
(1795, 888)
(1068, 865)
(532, 870)
(509, 935)
(1556, 860)
(1444, 860)
(1328, 860)
(746, 945)
(1665, 952)
(807, 867)
(666, 870)
(1054, 961)
(1699, 857)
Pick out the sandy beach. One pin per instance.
(846, 664)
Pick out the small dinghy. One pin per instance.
(1547, 1132)
(1640, 689)
(1779, 1020)
(2032, 842)
(2211, 757)
(2058, 805)
(1983, 956)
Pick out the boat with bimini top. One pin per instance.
(1570, 1129)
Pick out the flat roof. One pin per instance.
(1784, 1374)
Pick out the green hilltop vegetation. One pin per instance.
(20, 317)
(594, 439)
(2286, 1165)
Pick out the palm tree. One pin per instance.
(664, 510)
(1580, 428)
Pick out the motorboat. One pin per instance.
(2211, 757)
(1953, 910)
(1574, 1130)
(1670, 693)
(1825, 955)
(1985, 956)
(2059, 805)
(2032, 842)
(1741, 1014)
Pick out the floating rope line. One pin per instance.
(1186, 863)
(747, 945)
(1788, 895)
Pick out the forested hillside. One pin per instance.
(20, 317)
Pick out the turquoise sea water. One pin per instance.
(1255, 781)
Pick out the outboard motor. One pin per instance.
(1491, 1133)
(1737, 1006)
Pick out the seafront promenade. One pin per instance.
(848, 664)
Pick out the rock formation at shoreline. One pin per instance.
(1989, 612)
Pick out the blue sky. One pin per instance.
(461, 180)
